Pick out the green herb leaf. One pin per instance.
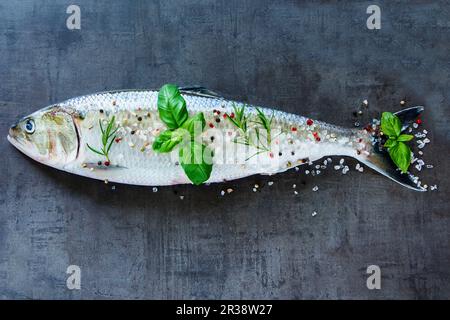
(405, 137)
(390, 143)
(401, 155)
(167, 140)
(390, 124)
(195, 124)
(195, 162)
(172, 106)
(94, 150)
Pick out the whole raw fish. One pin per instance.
(64, 136)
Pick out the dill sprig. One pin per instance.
(108, 137)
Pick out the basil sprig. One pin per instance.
(398, 150)
(193, 155)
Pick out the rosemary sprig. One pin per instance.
(266, 123)
(240, 120)
(108, 137)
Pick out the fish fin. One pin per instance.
(408, 116)
(200, 91)
(379, 159)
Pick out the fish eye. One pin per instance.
(29, 126)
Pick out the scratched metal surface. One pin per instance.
(316, 59)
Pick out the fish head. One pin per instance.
(49, 136)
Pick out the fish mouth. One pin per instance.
(16, 143)
(12, 138)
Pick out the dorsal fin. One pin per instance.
(201, 92)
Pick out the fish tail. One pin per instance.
(377, 157)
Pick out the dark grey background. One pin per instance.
(312, 58)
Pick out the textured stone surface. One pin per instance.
(315, 59)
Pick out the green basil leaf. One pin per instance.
(196, 162)
(390, 143)
(390, 124)
(401, 155)
(195, 124)
(171, 106)
(405, 137)
(167, 140)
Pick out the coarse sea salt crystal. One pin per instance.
(297, 168)
(341, 161)
(429, 166)
(270, 183)
(295, 192)
(306, 171)
(434, 187)
(314, 214)
(357, 166)
(315, 188)
(155, 189)
(294, 186)
(337, 167)
(415, 125)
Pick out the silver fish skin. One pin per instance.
(59, 135)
